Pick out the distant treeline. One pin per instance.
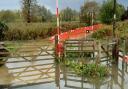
(31, 11)
(34, 21)
(125, 15)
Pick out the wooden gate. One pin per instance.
(80, 47)
(29, 63)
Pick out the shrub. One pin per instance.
(89, 70)
(103, 32)
(3, 29)
(122, 29)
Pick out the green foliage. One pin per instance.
(25, 31)
(28, 10)
(88, 70)
(106, 12)
(106, 31)
(3, 29)
(68, 15)
(74, 55)
(32, 12)
(102, 33)
(41, 14)
(7, 16)
(125, 15)
(86, 12)
(10, 16)
(65, 26)
(122, 29)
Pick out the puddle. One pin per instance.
(48, 75)
(43, 73)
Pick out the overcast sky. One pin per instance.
(50, 4)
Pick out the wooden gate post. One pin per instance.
(115, 51)
(99, 53)
(56, 46)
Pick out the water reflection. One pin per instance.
(45, 74)
(118, 79)
(58, 76)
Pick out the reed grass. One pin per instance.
(32, 31)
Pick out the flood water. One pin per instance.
(44, 73)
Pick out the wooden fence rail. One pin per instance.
(80, 46)
(28, 63)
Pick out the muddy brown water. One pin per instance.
(43, 73)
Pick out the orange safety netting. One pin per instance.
(76, 33)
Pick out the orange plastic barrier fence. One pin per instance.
(78, 32)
